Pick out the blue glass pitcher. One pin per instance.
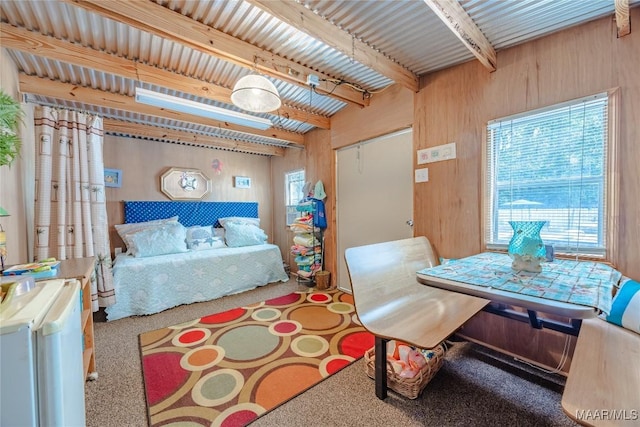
(526, 247)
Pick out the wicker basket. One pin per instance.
(408, 387)
(323, 279)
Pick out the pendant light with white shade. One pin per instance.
(256, 94)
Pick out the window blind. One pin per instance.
(550, 165)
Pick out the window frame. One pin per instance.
(611, 179)
(290, 208)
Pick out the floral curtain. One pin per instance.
(70, 208)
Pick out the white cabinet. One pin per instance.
(42, 381)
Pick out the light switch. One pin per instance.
(422, 175)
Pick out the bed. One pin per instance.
(150, 284)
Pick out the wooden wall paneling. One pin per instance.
(626, 50)
(456, 104)
(318, 163)
(143, 162)
(446, 209)
(389, 111)
(519, 339)
(320, 160)
(294, 158)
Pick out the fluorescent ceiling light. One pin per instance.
(174, 103)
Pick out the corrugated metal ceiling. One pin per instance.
(404, 30)
(509, 23)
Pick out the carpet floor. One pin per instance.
(475, 387)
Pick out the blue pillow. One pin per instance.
(625, 307)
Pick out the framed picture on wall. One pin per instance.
(113, 178)
(242, 182)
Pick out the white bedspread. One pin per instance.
(153, 284)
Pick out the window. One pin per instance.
(294, 182)
(551, 164)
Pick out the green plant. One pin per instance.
(10, 116)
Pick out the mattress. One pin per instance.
(153, 284)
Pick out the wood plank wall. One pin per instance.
(389, 111)
(319, 156)
(455, 105)
(294, 158)
(143, 162)
(317, 161)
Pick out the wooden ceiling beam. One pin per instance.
(85, 95)
(460, 23)
(623, 21)
(156, 19)
(304, 19)
(49, 47)
(187, 138)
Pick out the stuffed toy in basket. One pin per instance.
(409, 369)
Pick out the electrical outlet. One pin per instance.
(313, 80)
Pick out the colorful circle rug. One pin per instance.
(229, 368)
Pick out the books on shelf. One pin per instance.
(36, 269)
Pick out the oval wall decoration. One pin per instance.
(184, 184)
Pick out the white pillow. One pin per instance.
(237, 235)
(125, 229)
(239, 220)
(200, 238)
(160, 240)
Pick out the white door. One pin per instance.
(374, 194)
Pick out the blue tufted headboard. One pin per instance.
(189, 213)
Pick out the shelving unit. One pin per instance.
(82, 269)
(308, 243)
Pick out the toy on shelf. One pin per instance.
(38, 270)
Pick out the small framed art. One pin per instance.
(242, 182)
(113, 178)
